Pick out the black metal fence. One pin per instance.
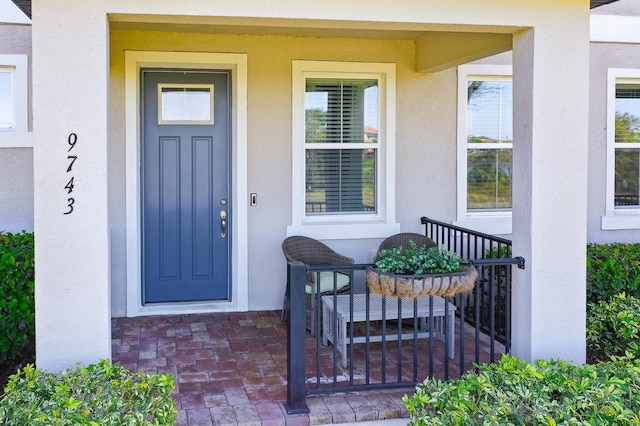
(489, 304)
(367, 342)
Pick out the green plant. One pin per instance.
(417, 261)
(17, 316)
(97, 395)
(612, 269)
(515, 392)
(613, 328)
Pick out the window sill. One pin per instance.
(621, 221)
(492, 225)
(345, 231)
(16, 140)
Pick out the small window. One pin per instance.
(623, 150)
(485, 145)
(627, 146)
(14, 101)
(7, 108)
(343, 146)
(185, 104)
(489, 143)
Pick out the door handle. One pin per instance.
(223, 223)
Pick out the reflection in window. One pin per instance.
(7, 119)
(189, 104)
(341, 112)
(627, 146)
(489, 144)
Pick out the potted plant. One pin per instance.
(420, 271)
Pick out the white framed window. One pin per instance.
(14, 102)
(484, 146)
(343, 149)
(623, 150)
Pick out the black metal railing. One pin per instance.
(626, 200)
(489, 305)
(367, 342)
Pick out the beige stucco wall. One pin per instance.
(425, 142)
(16, 164)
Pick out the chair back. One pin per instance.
(403, 239)
(311, 252)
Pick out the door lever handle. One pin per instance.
(223, 223)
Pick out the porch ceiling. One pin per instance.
(289, 27)
(437, 46)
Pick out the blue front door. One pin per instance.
(186, 208)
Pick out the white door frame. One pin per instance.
(237, 63)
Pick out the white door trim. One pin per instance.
(237, 63)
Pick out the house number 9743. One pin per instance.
(72, 140)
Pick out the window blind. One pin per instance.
(340, 180)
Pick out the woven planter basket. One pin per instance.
(421, 285)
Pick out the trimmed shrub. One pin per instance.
(612, 269)
(613, 328)
(97, 395)
(515, 392)
(17, 315)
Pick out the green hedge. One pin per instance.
(17, 316)
(612, 269)
(514, 392)
(97, 395)
(613, 328)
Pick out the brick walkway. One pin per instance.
(231, 369)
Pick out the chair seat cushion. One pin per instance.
(326, 282)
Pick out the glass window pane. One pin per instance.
(6, 100)
(489, 111)
(489, 176)
(341, 111)
(340, 180)
(627, 113)
(186, 104)
(627, 186)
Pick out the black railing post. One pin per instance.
(296, 334)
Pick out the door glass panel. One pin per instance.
(185, 104)
(6, 100)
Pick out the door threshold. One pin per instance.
(177, 308)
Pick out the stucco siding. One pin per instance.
(16, 196)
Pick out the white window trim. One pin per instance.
(18, 137)
(343, 226)
(499, 222)
(616, 218)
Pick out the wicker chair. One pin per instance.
(313, 252)
(403, 239)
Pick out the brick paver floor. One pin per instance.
(231, 369)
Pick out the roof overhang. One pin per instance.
(25, 5)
